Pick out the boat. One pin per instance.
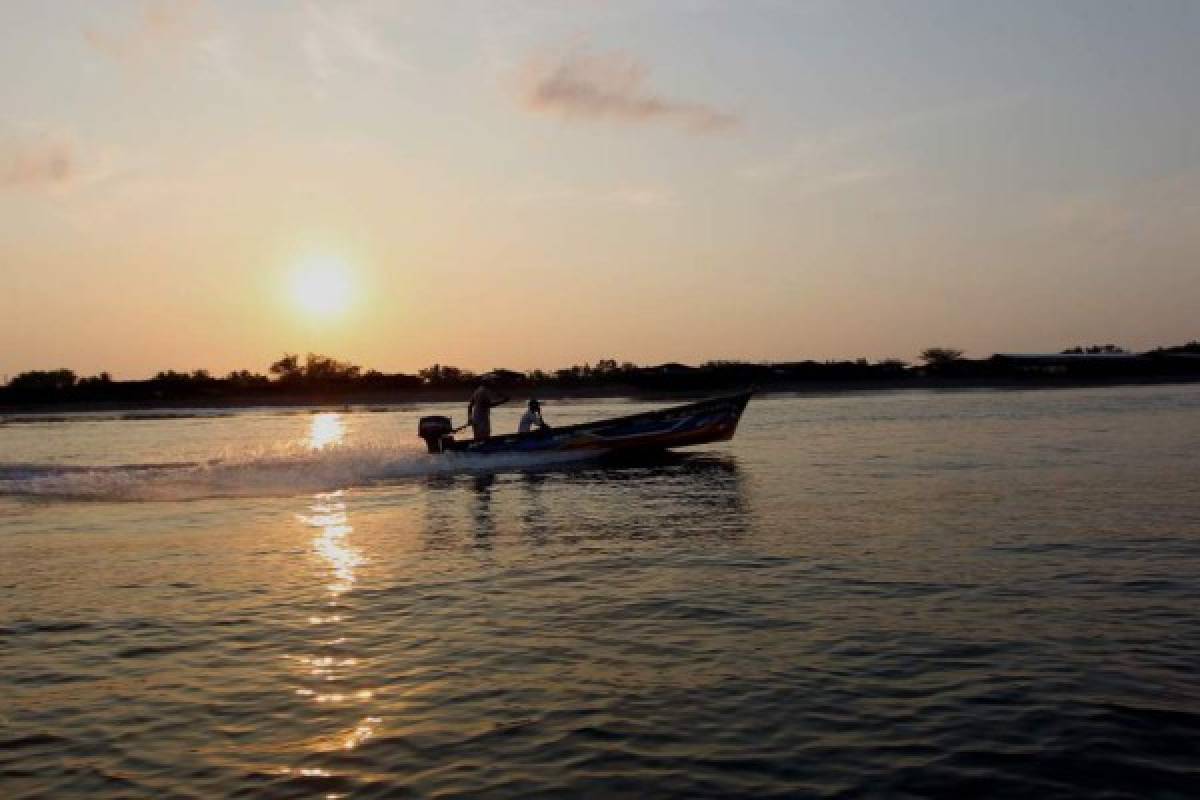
(711, 420)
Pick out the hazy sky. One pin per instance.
(538, 184)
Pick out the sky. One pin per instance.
(192, 184)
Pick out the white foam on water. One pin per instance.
(295, 471)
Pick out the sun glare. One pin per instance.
(322, 287)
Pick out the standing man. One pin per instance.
(479, 410)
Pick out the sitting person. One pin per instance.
(532, 418)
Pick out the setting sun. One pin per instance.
(322, 286)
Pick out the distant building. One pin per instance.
(1064, 363)
(671, 368)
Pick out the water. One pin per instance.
(957, 594)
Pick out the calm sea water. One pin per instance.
(895, 594)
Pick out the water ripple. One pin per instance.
(942, 609)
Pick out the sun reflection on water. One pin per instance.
(331, 676)
(326, 429)
(344, 560)
(361, 732)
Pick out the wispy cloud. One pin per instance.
(1169, 205)
(644, 197)
(217, 60)
(159, 25)
(855, 153)
(638, 197)
(821, 166)
(612, 86)
(45, 163)
(337, 36)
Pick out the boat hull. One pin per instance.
(712, 420)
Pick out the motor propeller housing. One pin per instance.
(435, 430)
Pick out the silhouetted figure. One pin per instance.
(479, 410)
(532, 418)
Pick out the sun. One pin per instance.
(322, 286)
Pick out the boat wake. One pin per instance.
(255, 475)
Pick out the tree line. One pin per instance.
(320, 377)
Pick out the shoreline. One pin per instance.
(395, 398)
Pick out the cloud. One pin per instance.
(644, 197)
(217, 61)
(161, 25)
(49, 162)
(612, 86)
(178, 31)
(45, 163)
(336, 35)
(852, 154)
(639, 197)
(1162, 209)
(813, 167)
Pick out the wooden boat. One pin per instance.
(712, 420)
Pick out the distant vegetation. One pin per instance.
(936, 357)
(321, 379)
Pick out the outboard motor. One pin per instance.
(435, 430)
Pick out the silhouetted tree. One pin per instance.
(507, 377)
(324, 368)
(940, 356)
(325, 377)
(1191, 348)
(96, 381)
(43, 381)
(171, 376)
(287, 368)
(605, 368)
(245, 379)
(438, 375)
